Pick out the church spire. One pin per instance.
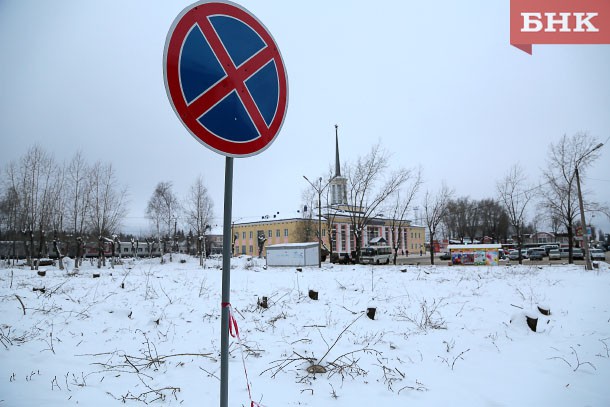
(338, 185)
(337, 162)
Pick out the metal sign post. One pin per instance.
(226, 284)
(226, 81)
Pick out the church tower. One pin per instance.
(338, 185)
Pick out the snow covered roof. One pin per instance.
(474, 246)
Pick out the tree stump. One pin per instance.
(299, 269)
(313, 295)
(370, 312)
(544, 310)
(403, 270)
(262, 302)
(96, 275)
(532, 322)
(316, 369)
(42, 273)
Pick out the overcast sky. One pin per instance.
(436, 82)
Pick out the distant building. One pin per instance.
(293, 229)
(283, 231)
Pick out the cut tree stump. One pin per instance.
(96, 275)
(313, 295)
(532, 322)
(262, 302)
(544, 310)
(316, 369)
(370, 312)
(42, 273)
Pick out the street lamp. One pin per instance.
(319, 189)
(585, 237)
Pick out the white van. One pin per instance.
(375, 255)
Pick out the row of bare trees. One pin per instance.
(523, 204)
(195, 212)
(519, 206)
(40, 196)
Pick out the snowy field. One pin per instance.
(146, 333)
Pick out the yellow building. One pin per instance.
(301, 230)
(303, 227)
(276, 231)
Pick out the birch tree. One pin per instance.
(435, 211)
(368, 186)
(400, 207)
(560, 195)
(198, 211)
(515, 195)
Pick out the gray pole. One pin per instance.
(585, 242)
(226, 285)
(320, 224)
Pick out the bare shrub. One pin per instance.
(427, 317)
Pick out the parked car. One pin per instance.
(445, 256)
(514, 254)
(554, 254)
(549, 247)
(536, 253)
(578, 253)
(597, 254)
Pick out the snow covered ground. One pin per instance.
(150, 333)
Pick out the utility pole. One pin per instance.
(585, 237)
(319, 189)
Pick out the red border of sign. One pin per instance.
(234, 80)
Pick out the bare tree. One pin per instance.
(515, 195)
(494, 220)
(368, 188)
(560, 195)
(78, 186)
(163, 208)
(461, 219)
(198, 211)
(108, 204)
(32, 179)
(435, 210)
(306, 230)
(401, 206)
(78, 196)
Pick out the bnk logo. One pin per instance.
(559, 22)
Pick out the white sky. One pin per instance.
(436, 82)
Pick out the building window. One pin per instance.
(251, 248)
(243, 248)
(286, 232)
(277, 233)
(270, 233)
(243, 235)
(251, 232)
(323, 232)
